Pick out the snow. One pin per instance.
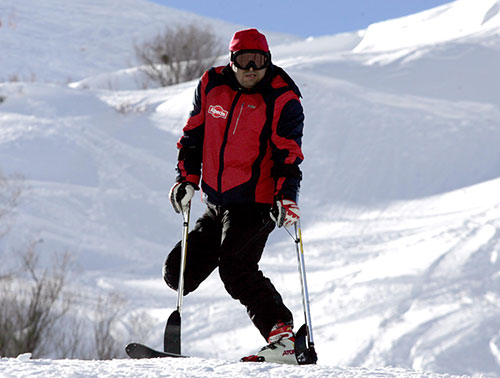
(102, 36)
(400, 206)
(192, 367)
(456, 20)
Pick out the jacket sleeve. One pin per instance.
(190, 145)
(286, 142)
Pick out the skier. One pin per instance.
(243, 140)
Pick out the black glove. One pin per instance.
(180, 195)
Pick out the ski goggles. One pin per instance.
(246, 59)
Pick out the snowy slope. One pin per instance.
(193, 367)
(61, 41)
(400, 199)
(461, 19)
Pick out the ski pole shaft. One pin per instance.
(185, 230)
(305, 293)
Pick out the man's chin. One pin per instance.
(248, 84)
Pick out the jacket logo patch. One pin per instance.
(217, 111)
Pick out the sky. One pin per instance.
(304, 18)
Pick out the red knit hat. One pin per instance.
(248, 39)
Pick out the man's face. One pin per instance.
(248, 78)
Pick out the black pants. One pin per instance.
(233, 239)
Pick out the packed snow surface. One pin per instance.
(191, 367)
(400, 199)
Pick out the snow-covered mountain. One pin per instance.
(400, 205)
(65, 41)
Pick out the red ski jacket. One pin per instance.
(245, 144)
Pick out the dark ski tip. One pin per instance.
(140, 351)
(172, 337)
(305, 355)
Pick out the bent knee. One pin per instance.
(171, 278)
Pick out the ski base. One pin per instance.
(138, 351)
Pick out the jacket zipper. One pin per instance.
(224, 142)
(238, 119)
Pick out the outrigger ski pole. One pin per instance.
(172, 338)
(304, 341)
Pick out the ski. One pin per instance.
(138, 351)
(305, 355)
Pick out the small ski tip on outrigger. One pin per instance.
(304, 350)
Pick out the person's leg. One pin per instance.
(202, 255)
(244, 235)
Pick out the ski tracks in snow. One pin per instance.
(427, 259)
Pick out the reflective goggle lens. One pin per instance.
(246, 59)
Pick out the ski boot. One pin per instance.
(281, 347)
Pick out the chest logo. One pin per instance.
(217, 111)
